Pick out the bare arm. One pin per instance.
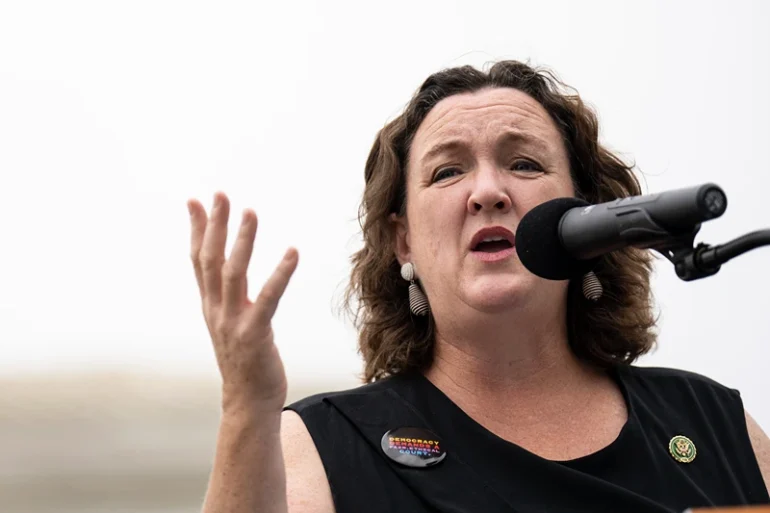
(248, 473)
(306, 482)
(761, 444)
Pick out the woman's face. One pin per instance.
(480, 161)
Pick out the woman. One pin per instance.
(492, 389)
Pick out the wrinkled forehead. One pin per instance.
(482, 117)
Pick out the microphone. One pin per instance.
(564, 237)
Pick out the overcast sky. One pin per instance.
(112, 114)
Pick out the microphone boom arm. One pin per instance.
(693, 263)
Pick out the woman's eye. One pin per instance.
(525, 165)
(445, 173)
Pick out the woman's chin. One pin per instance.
(495, 293)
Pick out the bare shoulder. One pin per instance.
(761, 444)
(307, 487)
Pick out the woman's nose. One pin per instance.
(489, 193)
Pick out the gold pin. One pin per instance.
(682, 449)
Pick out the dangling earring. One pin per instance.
(592, 287)
(418, 303)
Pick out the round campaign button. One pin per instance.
(413, 447)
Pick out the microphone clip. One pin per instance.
(687, 260)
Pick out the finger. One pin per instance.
(213, 249)
(197, 228)
(264, 307)
(234, 287)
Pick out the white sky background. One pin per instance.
(112, 114)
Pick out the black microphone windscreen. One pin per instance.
(539, 246)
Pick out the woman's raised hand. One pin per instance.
(252, 372)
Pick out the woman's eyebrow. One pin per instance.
(521, 137)
(448, 146)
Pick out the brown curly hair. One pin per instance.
(616, 330)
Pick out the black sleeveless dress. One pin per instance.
(484, 473)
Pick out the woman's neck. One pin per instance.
(502, 365)
(519, 361)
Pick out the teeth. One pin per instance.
(492, 239)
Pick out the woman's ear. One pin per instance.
(401, 237)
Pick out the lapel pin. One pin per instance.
(682, 449)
